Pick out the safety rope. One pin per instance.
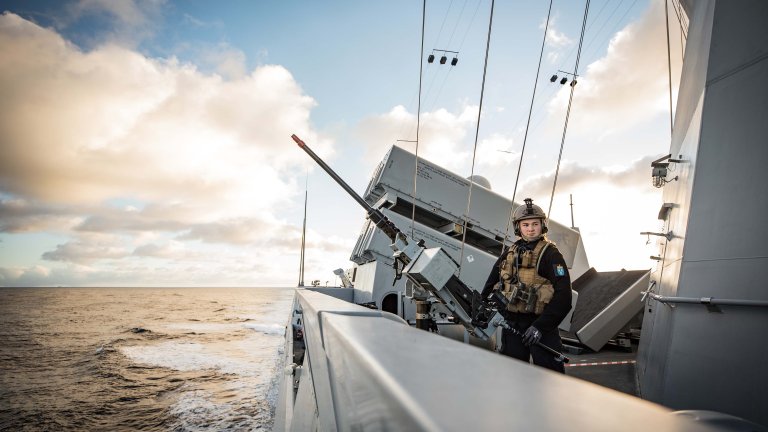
(418, 118)
(568, 112)
(527, 124)
(477, 133)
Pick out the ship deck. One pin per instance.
(610, 367)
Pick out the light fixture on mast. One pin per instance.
(444, 57)
(564, 79)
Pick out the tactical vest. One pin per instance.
(526, 291)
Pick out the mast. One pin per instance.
(303, 233)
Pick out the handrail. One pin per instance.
(707, 301)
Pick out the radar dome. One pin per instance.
(480, 180)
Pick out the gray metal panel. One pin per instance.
(717, 360)
(340, 293)
(737, 41)
(305, 410)
(730, 199)
(655, 338)
(613, 317)
(652, 354)
(387, 376)
(476, 264)
(694, 70)
(313, 305)
(689, 357)
(445, 193)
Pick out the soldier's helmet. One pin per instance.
(529, 210)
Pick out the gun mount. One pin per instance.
(433, 272)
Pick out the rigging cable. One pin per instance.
(527, 125)
(568, 112)
(431, 105)
(450, 39)
(477, 132)
(437, 41)
(669, 68)
(418, 118)
(680, 18)
(554, 89)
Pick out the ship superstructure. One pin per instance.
(706, 314)
(350, 367)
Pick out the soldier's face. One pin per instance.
(530, 228)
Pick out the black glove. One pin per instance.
(531, 336)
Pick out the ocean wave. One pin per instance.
(202, 327)
(202, 410)
(237, 357)
(271, 329)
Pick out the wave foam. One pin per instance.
(201, 410)
(272, 329)
(228, 358)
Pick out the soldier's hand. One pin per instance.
(531, 336)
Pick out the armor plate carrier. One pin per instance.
(526, 291)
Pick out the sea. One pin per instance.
(141, 359)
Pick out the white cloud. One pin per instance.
(206, 158)
(573, 175)
(444, 136)
(556, 41)
(629, 85)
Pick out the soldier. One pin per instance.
(534, 278)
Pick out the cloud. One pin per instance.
(573, 175)
(225, 60)
(171, 250)
(144, 161)
(127, 22)
(18, 215)
(440, 133)
(629, 85)
(239, 231)
(446, 138)
(79, 126)
(79, 252)
(556, 41)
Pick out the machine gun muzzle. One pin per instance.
(374, 215)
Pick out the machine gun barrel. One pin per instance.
(376, 216)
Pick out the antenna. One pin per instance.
(573, 226)
(303, 231)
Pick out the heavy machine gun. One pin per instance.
(432, 271)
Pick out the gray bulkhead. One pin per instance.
(692, 356)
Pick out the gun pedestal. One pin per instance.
(423, 319)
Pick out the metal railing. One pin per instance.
(707, 301)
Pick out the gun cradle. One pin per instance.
(433, 270)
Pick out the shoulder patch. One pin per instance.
(559, 270)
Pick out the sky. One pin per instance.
(147, 142)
